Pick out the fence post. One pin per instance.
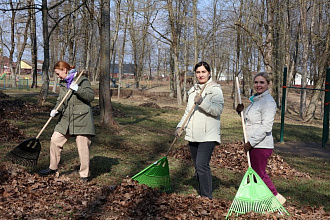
(283, 104)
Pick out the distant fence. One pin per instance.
(6, 83)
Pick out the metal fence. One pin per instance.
(6, 83)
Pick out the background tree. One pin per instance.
(106, 111)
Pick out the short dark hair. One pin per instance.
(203, 63)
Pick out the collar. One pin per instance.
(256, 96)
(200, 86)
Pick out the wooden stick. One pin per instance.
(59, 105)
(242, 117)
(185, 121)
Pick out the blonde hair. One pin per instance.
(263, 74)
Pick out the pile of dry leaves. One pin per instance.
(28, 196)
(232, 156)
(12, 109)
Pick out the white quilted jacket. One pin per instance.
(259, 118)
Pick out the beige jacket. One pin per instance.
(204, 123)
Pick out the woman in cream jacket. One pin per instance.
(203, 126)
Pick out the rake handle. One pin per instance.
(185, 121)
(59, 105)
(242, 117)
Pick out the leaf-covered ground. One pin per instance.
(25, 195)
(29, 196)
(232, 156)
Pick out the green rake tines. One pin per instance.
(253, 195)
(156, 175)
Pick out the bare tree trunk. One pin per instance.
(106, 111)
(23, 44)
(195, 35)
(268, 60)
(238, 48)
(34, 50)
(45, 67)
(186, 62)
(304, 39)
(12, 48)
(122, 54)
(174, 46)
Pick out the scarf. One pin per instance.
(69, 78)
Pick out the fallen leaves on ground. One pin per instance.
(28, 196)
(150, 105)
(14, 109)
(232, 156)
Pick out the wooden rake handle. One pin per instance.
(242, 117)
(59, 105)
(185, 121)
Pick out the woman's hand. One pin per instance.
(198, 99)
(247, 146)
(178, 132)
(239, 108)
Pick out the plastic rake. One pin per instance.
(157, 175)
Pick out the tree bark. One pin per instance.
(106, 111)
(304, 39)
(34, 50)
(45, 66)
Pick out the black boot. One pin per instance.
(46, 172)
(84, 179)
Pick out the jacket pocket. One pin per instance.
(80, 118)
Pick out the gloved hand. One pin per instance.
(198, 99)
(178, 132)
(74, 86)
(240, 108)
(53, 113)
(247, 146)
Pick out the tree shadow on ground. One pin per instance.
(184, 177)
(216, 183)
(100, 165)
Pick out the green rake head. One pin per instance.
(156, 175)
(253, 195)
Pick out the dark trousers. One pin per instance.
(259, 158)
(201, 153)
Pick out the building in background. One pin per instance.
(26, 67)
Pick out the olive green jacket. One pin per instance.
(76, 115)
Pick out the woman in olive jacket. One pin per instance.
(203, 127)
(75, 119)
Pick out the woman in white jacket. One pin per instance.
(259, 118)
(203, 127)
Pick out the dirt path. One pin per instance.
(304, 149)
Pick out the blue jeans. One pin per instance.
(201, 153)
